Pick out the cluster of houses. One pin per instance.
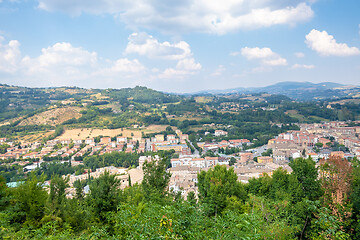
(312, 140)
(80, 147)
(294, 144)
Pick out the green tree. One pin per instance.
(4, 198)
(232, 161)
(30, 198)
(319, 145)
(156, 179)
(355, 197)
(57, 195)
(79, 189)
(191, 198)
(216, 186)
(307, 174)
(104, 194)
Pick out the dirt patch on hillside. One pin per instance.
(157, 128)
(53, 117)
(37, 137)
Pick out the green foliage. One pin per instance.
(104, 195)
(355, 197)
(50, 169)
(232, 161)
(58, 131)
(10, 130)
(275, 208)
(155, 180)
(188, 105)
(30, 201)
(57, 195)
(216, 186)
(4, 198)
(325, 225)
(3, 148)
(307, 174)
(141, 95)
(12, 173)
(268, 152)
(116, 159)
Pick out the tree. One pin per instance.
(319, 144)
(191, 198)
(216, 186)
(267, 153)
(79, 189)
(4, 198)
(355, 196)
(57, 194)
(104, 194)
(307, 174)
(30, 200)
(232, 161)
(156, 179)
(336, 179)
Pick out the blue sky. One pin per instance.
(178, 46)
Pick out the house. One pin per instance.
(219, 133)
(245, 157)
(239, 142)
(89, 140)
(121, 139)
(339, 154)
(265, 159)
(105, 140)
(159, 138)
(172, 139)
(198, 162)
(313, 156)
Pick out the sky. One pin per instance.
(178, 46)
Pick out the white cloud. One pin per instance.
(210, 16)
(257, 53)
(85, 6)
(126, 65)
(146, 45)
(9, 55)
(265, 55)
(65, 65)
(62, 64)
(183, 68)
(173, 73)
(326, 45)
(278, 61)
(188, 64)
(297, 66)
(219, 70)
(234, 54)
(299, 54)
(62, 57)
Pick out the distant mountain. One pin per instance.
(296, 90)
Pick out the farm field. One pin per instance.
(84, 133)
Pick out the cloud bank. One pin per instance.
(209, 16)
(266, 56)
(326, 45)
(64, 64)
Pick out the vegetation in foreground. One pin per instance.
(309, 203)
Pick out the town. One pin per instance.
(316, 141)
